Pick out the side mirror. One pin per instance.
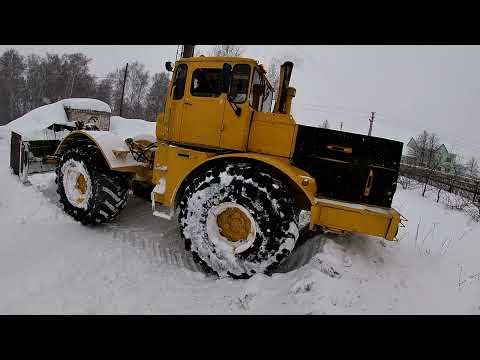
(226, 77)
(168, 66)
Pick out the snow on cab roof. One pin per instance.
(86, 104)
(32, 124)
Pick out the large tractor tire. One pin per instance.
(237, 220)
(89, 191)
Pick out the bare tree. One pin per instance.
(75, 76)
(104, 90)
(472, 167)
(273, 73)
(433, 157)
(12, 84)
(156, 96)
(227, 50)
(419, 149)
(325, 125)
(136, 90)
(116, 78)
(35, 79)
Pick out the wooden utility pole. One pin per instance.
(371, 123)
(123, 88)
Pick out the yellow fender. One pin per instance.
(107, 143)
(303, 185)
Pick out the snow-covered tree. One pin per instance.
(472, 167)
(227, 50)
(273, 73)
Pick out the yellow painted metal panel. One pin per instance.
(272, 134)
(174, 164)
(175, 168)
(348, 217)
(235, 131)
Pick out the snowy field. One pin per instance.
(49, 264)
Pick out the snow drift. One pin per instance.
(50, 264)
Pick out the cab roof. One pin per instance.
(218, 59)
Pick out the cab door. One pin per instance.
(236, 127)
(175, 103)
(203, 107)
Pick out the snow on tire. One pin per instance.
(238, 219)
(89, 191)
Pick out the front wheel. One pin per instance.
(238, 219)
(89, 191)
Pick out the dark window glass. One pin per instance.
(261, 93)
(179, 83)
(206, 82)
(267, 99)
(256, 92)
(240, 80)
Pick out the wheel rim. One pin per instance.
(76, 183)
(233, 224)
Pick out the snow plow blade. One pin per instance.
(343, 217)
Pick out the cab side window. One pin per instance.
(267, 99)
(240, 80)
(256, 91)
(206, 83)
(261, 93)
(179, 83)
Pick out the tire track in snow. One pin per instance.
(157, 239)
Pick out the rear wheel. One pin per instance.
(89, 191)
(238, 219)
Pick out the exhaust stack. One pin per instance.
(188, 51)
(285, 93)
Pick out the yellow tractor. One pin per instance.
(236, 168)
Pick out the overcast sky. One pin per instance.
(411, 88)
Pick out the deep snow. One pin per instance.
(34, 124)
(51, 264)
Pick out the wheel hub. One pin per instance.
(81, 184)
(231, 223)
(76, 183)
(234, 224)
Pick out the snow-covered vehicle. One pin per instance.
(238, 171)
(36, 135)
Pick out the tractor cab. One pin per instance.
(211, 102)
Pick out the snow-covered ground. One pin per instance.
(137, 264)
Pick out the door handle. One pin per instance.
(368, 185)
(344, 149)
(187, 103)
